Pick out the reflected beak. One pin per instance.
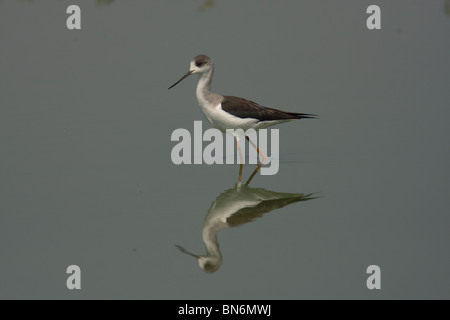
(180, 247)
(182, 78)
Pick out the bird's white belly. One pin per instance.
(223, 120)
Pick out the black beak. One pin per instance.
(182, 78)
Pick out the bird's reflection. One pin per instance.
(236, 206)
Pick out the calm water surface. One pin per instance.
(86, 176)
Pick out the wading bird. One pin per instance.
(228, 112)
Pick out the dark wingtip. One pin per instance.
(306, 116)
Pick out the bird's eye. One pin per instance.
(199, 63)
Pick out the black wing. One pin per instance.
(244, 108)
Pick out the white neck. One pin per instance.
(204, 82)
(205, 97)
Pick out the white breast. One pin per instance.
(223, 120)
(213, 111)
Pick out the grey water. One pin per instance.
(86, 176)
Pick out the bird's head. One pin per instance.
(199, 65)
